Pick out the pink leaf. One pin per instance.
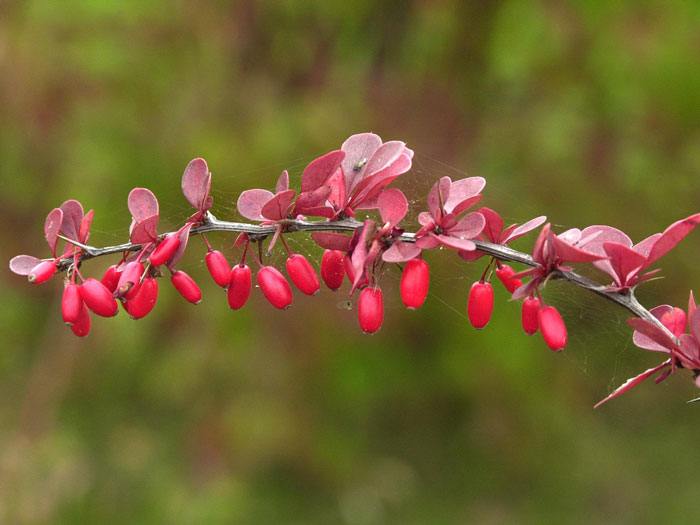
(469, 227)
(332, 241)
(23, 264)
(428, 242)
(359, 254)
(52, 227)
(672, 236)
(320, 169)
(570, 253)
(282, 182)
(72, 217)
(312, 199)
(692, 306)
(624, 261)
(338, 193)
(632, 382)
(439, 193)
(386, 155)
(277, 208)
(493, 226)
(653, 332)
(401, 252)
(463, 189)
(524, 229)
(196, 184)
(457, 243)
(250, 203)
(466, 204)
(393, 206)
(142, 204)
(358, 151)
(694, 321)
(144, 231)
(644, 247)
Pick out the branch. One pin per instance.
(259, 232)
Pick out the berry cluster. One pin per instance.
(334, 188)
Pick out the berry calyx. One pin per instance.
(42, 272)
(218, 267)
(165, 250)
(302, 274)
(98, 298)
(274, 287)
(186, 287)
(415, 282)
(239, 286)
(333, 268)
(71, 303)
(553, 328)
(480, 304)
(530, 315)
(370, 309)
(505, 274)
(145, 299)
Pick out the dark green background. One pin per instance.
(586, 112)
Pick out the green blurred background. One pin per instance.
(585, 111)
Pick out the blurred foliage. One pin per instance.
(586, 111)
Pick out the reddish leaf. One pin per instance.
(142, 204)
(524, 229)
(144, 231)
(320, 169)
(23, 264)
(672, 236)
(457, 243)
(358, 151)
(52, 227)
(386, 155)
(493, 226)
(644, 247)
(312, 200)
(632, 382)
(85, 224)
(469, 227)
(184, 237)
(624, 261)
(251, 202)
(196, 184)
(332, 241)
(401, 252)
(359, 254)
(569, 253)
(653, 332)
(277, 208)
(282, 182)
(393, 206)
(439, 193)
(694, 322)
(72, 217)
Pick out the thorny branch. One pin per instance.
(261, 231)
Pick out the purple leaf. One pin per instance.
(672, 236)
(401, 252)
(52, 227)
(250, 203)
(23, 264)
(632, 382)
(196, 184)
(277, 207)
(463, 189)
(72, 217)
(393, 206)
(142, 204)
(318, 171)
(282, 182)
(332, 241)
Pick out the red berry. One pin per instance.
(480, 304)
(42, 272)
(370, 310)
(553, 328)
(81, 327)
(165, 250)
(333, 268)
(98, 298)
(186, 286)
(415, 282)
(111, 278)
(239, 286)
(505, 274)
(218, 267)
(530, 314)
(71, 303)
(130, 279)
(302, 274)
(274, 287)
(145, 299)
